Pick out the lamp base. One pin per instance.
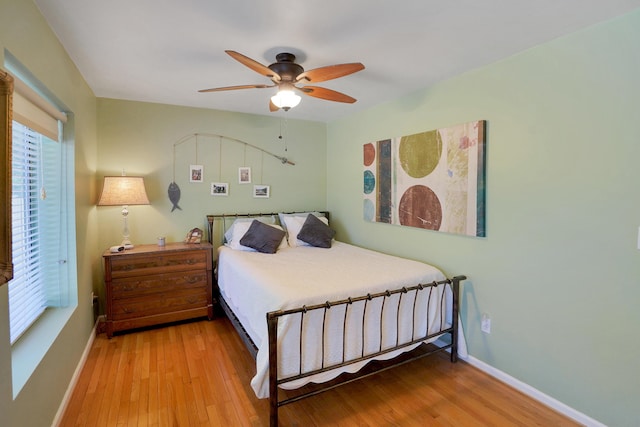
(125, 231)
(127, 244)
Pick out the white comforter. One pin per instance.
(253, 284)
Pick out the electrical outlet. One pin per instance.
(485, 324)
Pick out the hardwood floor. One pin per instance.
(198, 374)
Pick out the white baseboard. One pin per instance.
(534, 393)
(76, 375)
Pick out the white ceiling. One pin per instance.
(164, 51)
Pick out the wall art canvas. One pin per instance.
(433, 180)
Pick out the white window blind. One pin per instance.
(37, 229)
(39, 217)
(26, 290)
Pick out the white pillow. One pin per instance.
(229, 233)
(294, 224)
(239, 229)
(283, 216)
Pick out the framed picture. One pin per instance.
(244, 175)
(196, 173)
(219, 188)
(261, 191)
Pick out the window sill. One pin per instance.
(30, 349)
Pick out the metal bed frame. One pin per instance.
(273, 317)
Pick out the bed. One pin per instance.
(313, 309)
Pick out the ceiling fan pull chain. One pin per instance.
(281, 137)
(285, 134)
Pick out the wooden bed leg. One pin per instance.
(272, 325)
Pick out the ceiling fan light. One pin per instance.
(285, 99)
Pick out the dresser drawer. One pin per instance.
(159, 303)
(130, 287)
(144, 265)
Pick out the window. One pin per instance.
(44, 294)
(39, 252)
(42, 202)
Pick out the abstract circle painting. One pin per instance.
(434, 180)
(369, 154)
(420, 153)
(420, 207)
(369, 182)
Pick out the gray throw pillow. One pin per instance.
(262, 237)
(316, 233)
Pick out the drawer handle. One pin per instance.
(192, 300)
(191, 261)
(127, 310)
(191, 279)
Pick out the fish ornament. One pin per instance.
(174, 195)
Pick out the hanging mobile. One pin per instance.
(173, 190)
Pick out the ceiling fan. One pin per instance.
(285, 74)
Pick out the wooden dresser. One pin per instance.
(151, 284)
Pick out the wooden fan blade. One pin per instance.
(272, 107)
(220, 89)
(254, 65)
(328, 94)
(330, 72)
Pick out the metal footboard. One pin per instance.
(405, 292)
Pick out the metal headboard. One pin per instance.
(215, 235)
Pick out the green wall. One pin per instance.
(559, 270)
(140, 138)
(25, 34)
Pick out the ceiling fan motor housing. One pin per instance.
(285, 67)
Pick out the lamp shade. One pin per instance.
(285, 99)
(123, 190)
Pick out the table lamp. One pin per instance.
(123, 191)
